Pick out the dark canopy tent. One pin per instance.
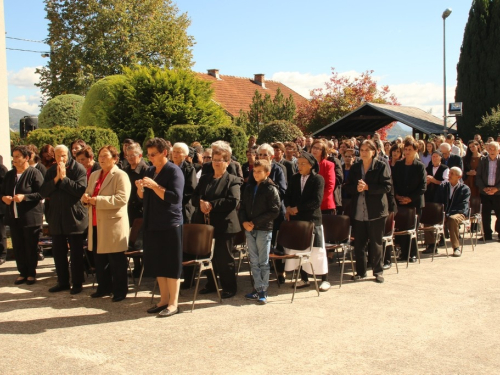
(370, 117)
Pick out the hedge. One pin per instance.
(62, 110)
(94, 137)
(206, 135)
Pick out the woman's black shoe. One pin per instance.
(413, 259)
(225, 295)
(156, 309)
(99, 295)
(30, 282)
(117, 299)
(20, 281)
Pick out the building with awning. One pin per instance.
(370, 117)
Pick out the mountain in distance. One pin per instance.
(14, 116)
(398, 130)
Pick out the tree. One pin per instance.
(478, 72)
(279, 131)
(63, 110)
(340, 96)
(92, 39)
(264, 110)
(490, 123)
(156, 98)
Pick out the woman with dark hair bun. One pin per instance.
(107, 194)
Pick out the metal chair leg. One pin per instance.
(314, 275)
(276, 272)
(140, 280)
(216, 283)
(197, 286)
(296, 279)
(154, 289)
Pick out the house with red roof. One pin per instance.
(235, 93)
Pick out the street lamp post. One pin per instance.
(445, 15)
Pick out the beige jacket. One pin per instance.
(111, 210)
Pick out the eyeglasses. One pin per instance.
(207, 157)
(153, 155)
(130, 156)
(263, 155)
(217, 161)
(317, 148)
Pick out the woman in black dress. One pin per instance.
(24, 212)
(216, 198)
(162, 190)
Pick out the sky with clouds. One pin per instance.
(294, 42)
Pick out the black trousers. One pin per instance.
(111, 273)
(490, 202)
(25, 244)
(3, 239)
(224, 264)
(60, 253)
(373, 232)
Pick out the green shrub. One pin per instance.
(16, 139)
(63, 110)
(100, 100)
(490, 123)
(206, 135)
(279, 131)
(94, 137)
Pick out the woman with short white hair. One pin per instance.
(179, 152)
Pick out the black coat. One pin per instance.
(430, 193)
(262, 208)
(3, 172)
(135, 204)
(413, 185)
(459, 202)
(233, 168)
(307, 202)
(378, 179)
(223, 217)
(339, 180)
(41, 168)
(30, 210)
(190, 182)
(65, 212)
(290, 169)
(453, 161)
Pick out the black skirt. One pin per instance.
(163, 252)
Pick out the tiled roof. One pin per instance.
(235, 93)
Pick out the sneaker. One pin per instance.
(457, 252)
(254, 296)
(302, 284)
(262, 298)
(325, 285)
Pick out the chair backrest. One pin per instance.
(432, 214)
(134, 232)
(240, 239)
(475, 205)
(389, 225)
(197, 239)
(336, 228)
(295, 235)
(405, 218)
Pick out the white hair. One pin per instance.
(223, 146)
(457, 170)
(181, 145)
(446, 146)
(135, 147)
(267, 148)
(61, 147)
(494, 144)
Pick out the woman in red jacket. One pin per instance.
(327, 171)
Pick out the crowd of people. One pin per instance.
(91, 204)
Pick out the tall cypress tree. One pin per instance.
(478, 69)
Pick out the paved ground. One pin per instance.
(438, 317)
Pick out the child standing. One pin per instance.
(260, 205)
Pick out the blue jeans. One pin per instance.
(259, 244)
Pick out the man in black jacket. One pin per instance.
(63, 186)
(3, 232)
(455, 196)
(449, 159)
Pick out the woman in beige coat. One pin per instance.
(106, 196)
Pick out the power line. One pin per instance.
(26, 50)
(26, 40)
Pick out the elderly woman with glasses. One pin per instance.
(216, 198)
(179, 152)
(162, 190)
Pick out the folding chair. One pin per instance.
(298, 236)
(198, 240)
(432, 219)
(467, 228)
(406, 225)
(476, 212)
(388, 238)
(240, 246)
(337, 232)
(133, 253)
